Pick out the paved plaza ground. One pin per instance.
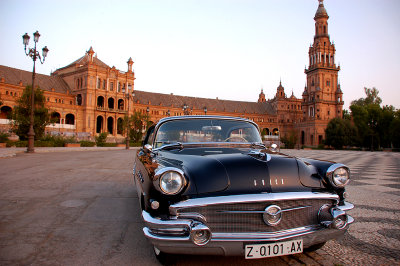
(80, 208)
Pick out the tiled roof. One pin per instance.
(170, 100)
(85, 60)
(15, 76)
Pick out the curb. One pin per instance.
(12, 152)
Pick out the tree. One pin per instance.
(339, 133)
(372, 97)
(136, 123)
(290, 140)
(371, 120)
(394, 130)
(21, 113)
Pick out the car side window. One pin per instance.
(149, 137)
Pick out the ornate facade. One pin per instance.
(88, 97)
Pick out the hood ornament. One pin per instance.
(272, 215)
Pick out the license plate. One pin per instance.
(275, 249)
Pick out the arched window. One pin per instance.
(100, 101)
(111, 103)
(79, 99)
(121, 104)
(324, 29)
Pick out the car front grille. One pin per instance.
(248, 217)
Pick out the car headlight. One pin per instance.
(338, 175)
(171, 181)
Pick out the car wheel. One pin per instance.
(314, 247)
(164, 258)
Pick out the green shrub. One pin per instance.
(3, 137)
(21, 143)
(58, 141)
(85, 143)
(44, 143)
(101, 139)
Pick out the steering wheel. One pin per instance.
(235, 137)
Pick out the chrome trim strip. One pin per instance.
(346, 207)
(248, 198)
(160, 224)
(266, 236)
(284, 210)
(148, 234)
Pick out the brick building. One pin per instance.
(88, 97)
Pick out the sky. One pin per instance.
(228, 49)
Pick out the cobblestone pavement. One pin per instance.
(81, 208)
(374, 239)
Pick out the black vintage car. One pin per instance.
(207, 185)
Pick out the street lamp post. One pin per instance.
(34, 54)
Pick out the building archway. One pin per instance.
(55, 117)
(70, 119)
(110, 125)
(5, 112)
(99, 124)
(100, 101)
(111, 103)
(302, 137)
(120, 126)
(266, 131)
(275, 132)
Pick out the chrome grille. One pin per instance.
(237, 217)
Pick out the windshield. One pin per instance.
(206, 130)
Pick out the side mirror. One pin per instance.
(148, 148)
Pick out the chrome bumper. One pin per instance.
(176, 235)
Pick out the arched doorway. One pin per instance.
(70, 119)
(110, 125)
(275, 132)
(99, 124)
(302, 137)
(55, 117)
(120, 126)
(5, 112)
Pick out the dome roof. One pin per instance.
(321, 11)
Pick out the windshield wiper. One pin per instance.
(172, 146)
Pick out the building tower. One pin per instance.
(322, 97)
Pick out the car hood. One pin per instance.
(235, 171)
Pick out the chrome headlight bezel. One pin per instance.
(338, 175)
(177, 176)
